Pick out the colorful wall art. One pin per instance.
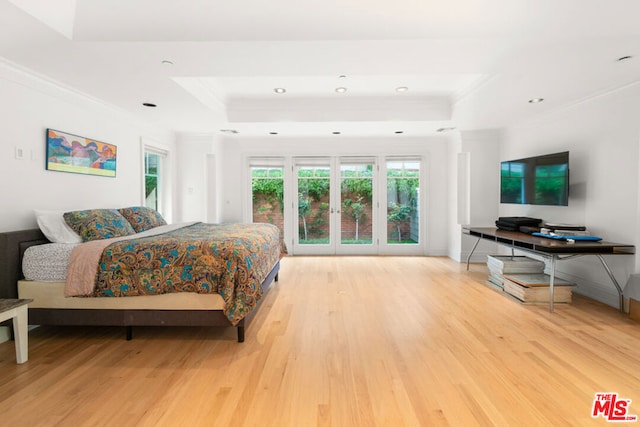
(72, 153)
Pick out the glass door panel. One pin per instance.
(403, 202)
(314, 208)
(267, 195)
(356, 222)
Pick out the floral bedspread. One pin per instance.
(229, 259)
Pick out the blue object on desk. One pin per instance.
(576, 238)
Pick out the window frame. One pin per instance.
(164, 175)
(418, 248)
(267, 163)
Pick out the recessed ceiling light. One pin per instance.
(399, 131)
(230, 131)
(341, 89)
(337, 133)
(446, 129)
(279, 90)
(402, 89)
(273, 133)
(536, 100)
(342, 76)
(167, 62)
(149, 104)
(624, 58)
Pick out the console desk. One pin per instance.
(553, 250)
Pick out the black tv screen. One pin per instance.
(539, 180)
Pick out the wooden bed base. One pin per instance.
(12, 247)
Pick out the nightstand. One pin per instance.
(17, 310)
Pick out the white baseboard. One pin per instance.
(437, 252)
(605, 293)
(477, 257)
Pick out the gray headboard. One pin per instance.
(12, 247)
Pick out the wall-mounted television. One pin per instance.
(539, 180)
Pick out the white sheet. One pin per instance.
(47, 263)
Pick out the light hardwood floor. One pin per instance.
(342, 341)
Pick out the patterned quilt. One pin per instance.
(229, 259)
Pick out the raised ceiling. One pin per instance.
(211, 65)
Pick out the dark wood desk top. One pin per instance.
(542, 244)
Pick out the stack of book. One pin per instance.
(501, 265)
(534, 288)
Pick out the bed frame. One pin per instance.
(12, 247)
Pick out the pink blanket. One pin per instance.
(83, 266)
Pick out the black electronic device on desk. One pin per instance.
(518, 223)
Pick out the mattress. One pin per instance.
(51, 295)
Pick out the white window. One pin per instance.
(156, 179)
(267, 191)
(152, 180)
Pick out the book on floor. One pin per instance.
(536, 280)
(534, 288)
(514, 264)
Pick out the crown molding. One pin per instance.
(38, 82)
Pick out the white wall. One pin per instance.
(481, 149)
(602, 135)
(193, 174)
(30, 105)
(454, 198)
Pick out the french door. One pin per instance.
(335, 206)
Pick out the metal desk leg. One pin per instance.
(615, 282)
(471, 253)
(551, 280)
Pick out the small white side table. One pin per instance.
(17, 310)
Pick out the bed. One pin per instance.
(186, 296)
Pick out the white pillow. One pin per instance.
(54, 227)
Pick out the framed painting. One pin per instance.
(72, 153)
